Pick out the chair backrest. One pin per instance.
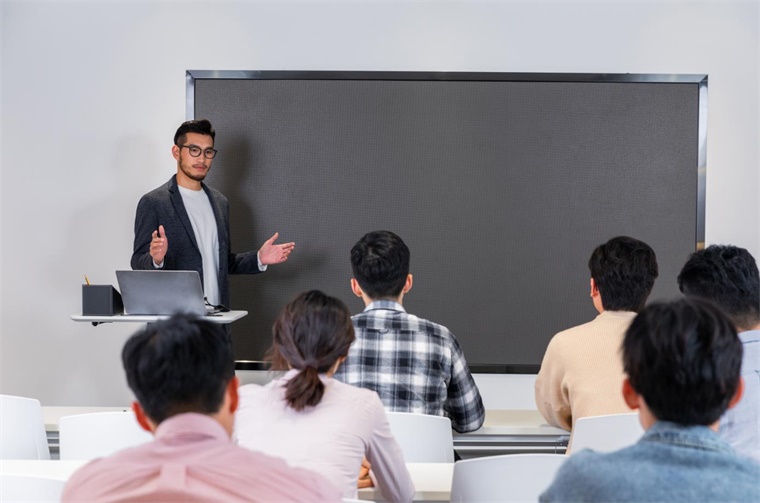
(606, 433)
(99, 434)
(423, 438)
(22, 429)
(28, 488)
(509, 477)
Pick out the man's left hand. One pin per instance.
(270, 253)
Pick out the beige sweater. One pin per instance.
(582, 371)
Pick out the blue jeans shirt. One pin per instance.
(669, 463)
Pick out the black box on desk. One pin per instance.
(101, 300)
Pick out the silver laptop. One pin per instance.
(161, 292)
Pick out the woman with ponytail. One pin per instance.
(313, 421)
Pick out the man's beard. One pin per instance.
(191, 174)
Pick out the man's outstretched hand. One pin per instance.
(270, 253)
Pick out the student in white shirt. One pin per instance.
(312, 420)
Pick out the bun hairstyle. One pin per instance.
(310, 334)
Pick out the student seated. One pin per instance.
(182, 373)
(415, 365)
(682, 361)
(728, 277)
(582, 372)
(310, 419)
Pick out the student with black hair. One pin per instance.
(682, 362)
(312, 420)
(728, 277)
(581, 372)
(415, 365)
(182, 373)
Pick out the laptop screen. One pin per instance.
(161, 292)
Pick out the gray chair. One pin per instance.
(509, 477)
(423, 438)
(22, 429)
(606, 433)
(99, 434)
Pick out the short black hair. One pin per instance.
(728, 277)
(182, 364)
(684, 358)
(624, 270)
(200, 126)
(380, 261)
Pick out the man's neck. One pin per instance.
(368, 300)
(749, 329)
(187, 183)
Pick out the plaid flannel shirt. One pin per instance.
(413, 364)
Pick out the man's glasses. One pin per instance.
(195, 151)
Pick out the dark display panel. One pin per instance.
(500, 188)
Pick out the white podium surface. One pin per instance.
(223, 318)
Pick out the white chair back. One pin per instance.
(99, 434)
(509, 477)
(423, 438)
(606, 433)
(22, 429)
(28, 488)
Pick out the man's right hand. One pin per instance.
(158, 246)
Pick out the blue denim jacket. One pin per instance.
(669, 463)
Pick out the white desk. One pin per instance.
(227, 317)
(511, 432)
(504, 432)
(432, 481)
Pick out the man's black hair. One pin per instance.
(684, 358)
(624, 270)
(728, 277)
(380, 262)
(182, 364)
(201, 126)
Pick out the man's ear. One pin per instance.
(142, 419)
(408, 283)
(232, 391)
(175, 152)
(356, 288)
(629, 394)
(738, 395)
(594, 289)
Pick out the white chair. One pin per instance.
(22, 429)
(28, 488)
(606, 433)
(99, 434)
(423, 438)
(509, 477)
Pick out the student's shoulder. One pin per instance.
(573, 334)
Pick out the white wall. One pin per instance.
(92, 93)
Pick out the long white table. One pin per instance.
(432, 481)
(511, 432)
(504, 432)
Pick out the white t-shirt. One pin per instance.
(202, 218)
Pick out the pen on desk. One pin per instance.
(87, 280)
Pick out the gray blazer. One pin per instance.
(164, 206)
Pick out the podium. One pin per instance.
(221, 318)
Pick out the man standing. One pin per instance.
(414, 365)
(582, 372)
(182, 373)
(184, 224)
(728, 277)
(682, 364)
